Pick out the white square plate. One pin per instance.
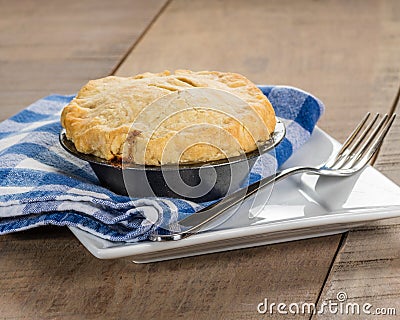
(299, 207)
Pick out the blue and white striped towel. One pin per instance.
(41, 184)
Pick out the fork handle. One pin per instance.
(204, 216)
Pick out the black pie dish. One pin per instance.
(218, 178)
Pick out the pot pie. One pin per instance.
(108, 112)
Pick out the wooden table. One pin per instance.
(345, 52)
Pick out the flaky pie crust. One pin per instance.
(101, 118)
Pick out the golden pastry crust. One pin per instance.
(103, 116)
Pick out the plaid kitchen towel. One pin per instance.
(41, 184)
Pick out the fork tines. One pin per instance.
(363, 142)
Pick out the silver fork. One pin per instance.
(355, 154)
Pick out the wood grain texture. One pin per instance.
(344, 52)
(388, 161)
(321, 47)
(367, 267)
(53, 277)
(57, 46)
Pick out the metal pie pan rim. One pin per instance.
(276, 137)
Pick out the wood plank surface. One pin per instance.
(344, 52)
(53, 277)
(321, 47)
(57, 46)
(367, 267)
